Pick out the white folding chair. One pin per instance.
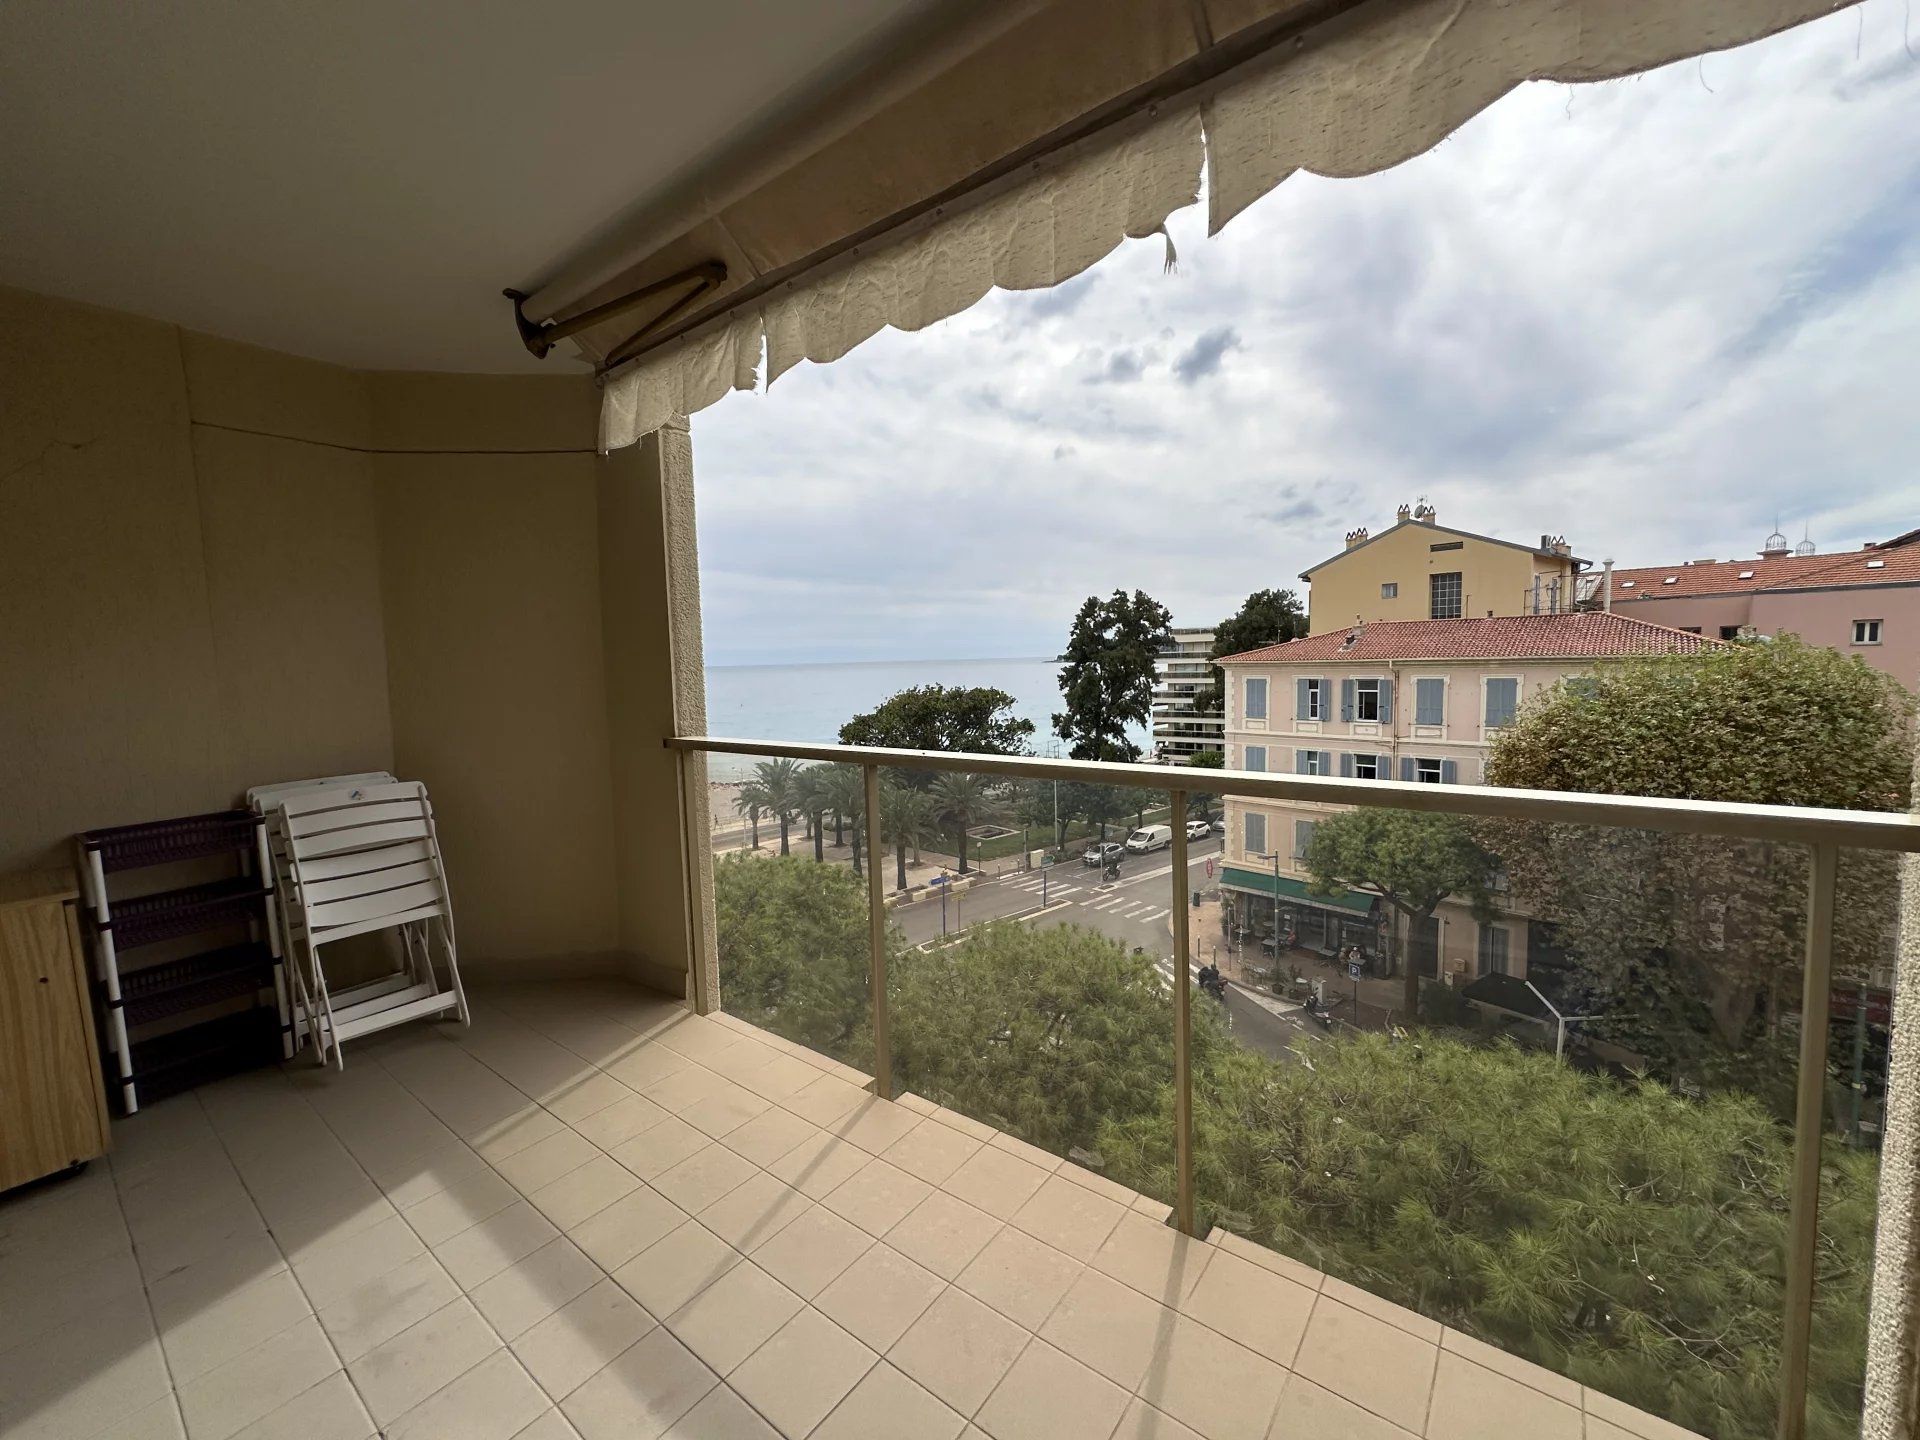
(360, 858)
(264, 800)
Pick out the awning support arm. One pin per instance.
(541, 336)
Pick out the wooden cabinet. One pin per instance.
(53, 1104)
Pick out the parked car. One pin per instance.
(1220, 826)
(1101, 852)
(1198, 829)
(1150, 838)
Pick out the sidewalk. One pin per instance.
(1253, 971)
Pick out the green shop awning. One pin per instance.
(1265, 882)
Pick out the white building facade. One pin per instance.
(1182, 675)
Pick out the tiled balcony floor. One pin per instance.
(595, 1214)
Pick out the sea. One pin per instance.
(811, 702)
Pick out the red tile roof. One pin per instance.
(1898, 563)
(1583, 636)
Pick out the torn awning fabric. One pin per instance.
(832, 250)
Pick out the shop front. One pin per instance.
(1260, 907)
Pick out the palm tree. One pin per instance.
(846, 794)
(906, 818)
(815, 801)
(753, 804)
(779, 782)
(959, 803)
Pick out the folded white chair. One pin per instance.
(264, 800)
(362, 857)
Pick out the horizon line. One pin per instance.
(905, 660)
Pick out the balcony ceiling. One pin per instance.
(356, 181)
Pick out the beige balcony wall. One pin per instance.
(221, 566)
(154, 487)
(490, 574)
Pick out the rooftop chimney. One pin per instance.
(1424, 513)
(1406, 513)
(1356, 537)
(1776, 547)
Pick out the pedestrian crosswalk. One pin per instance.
(1100, 899)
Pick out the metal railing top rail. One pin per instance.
(1862, 829)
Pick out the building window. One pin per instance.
(1366, 700)
(1428, 770)
(1254, 757)
(1366, 767)
(1310, 762)
(1729, 632)
(1503, 700)
(1302, 839)
(1256, 833)
(1310, 703)
(1866, 632)
(1390, 590)
(1256, 706)
(1445, 593)
(1495, 954)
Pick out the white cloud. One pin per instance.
(1652, 315)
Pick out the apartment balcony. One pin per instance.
(334, 509)
(597, 1213)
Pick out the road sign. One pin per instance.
(1209, 867)
(1353, 970)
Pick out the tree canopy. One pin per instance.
(1410, 859)
(1266, 617)
(1044, 1032)
(1106, 678)
(792, 940)
(1692, 945)
(943, 717)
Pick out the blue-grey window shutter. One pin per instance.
(1326, 762)
(1300, 762)
(1449, 772)
(1407, 770)
(1503, 699)
(1300, 702)
(1326, 697)
(1427, 701)
(1346, 765)
(1386, 701)
(1346, 699)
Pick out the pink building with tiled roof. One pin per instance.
(1863, 602)
(1418, 700)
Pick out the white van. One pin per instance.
(1154, 837)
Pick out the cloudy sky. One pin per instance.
(1653, 315)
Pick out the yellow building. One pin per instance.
(1423, 570)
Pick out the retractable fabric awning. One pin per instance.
(1285, 887)
(1038, 136)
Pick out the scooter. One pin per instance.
(1112, 872)
(1216, 986)
(1318, 1012)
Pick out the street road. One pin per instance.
(1136, 910)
